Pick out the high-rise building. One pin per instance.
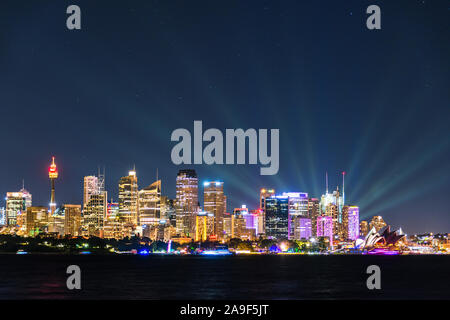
(363, 228)
(150, 205)
(214, 202)
(302, 228)
(15, 205)
(168, 211)
(186, 201)
(90, 187)
(227, 226)
(298, 208)
(378, 223)
(204, 225)
(128, 199)
(277, 217)
(114, 224)
(353, 222)
(2, 217)
(325, 227)
(263, 195)
(94, 215)
(239, 225)
(313, 213)
(72, 220)
(37, 221)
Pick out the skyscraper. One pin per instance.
(186, 201)
(263, 194)
(277, 217)
(325, 227)
(53, 175)
(353, 222)
(15, 205)
(72, 220)
(214, 202)
(128, 199)
(150, 205)
(313, 213)
(204, 225)
(90, 187)
(298, 208)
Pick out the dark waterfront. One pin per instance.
(227, 277)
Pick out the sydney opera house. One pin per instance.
(383, 241)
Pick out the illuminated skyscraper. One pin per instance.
(277, 216)
(263, 194)
(2, 217)
(186, 201)
(150, 205)
(204, 225)
(214, 202)
(313, 213)
(37, 221)
(94, 215)
(15, 205)
(90, 187)
(72, 220)
(298, 208)
(128, 199)
(303, 228)
(377, 223)
(168, 211)
(363, 228)
(325, 227)
(239, 221)
(353, 222)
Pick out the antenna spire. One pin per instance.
(326, 180)
(343, 187)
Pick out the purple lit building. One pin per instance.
(305, 228)
(353, 222)
(325, 227)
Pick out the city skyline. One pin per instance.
(373, 103)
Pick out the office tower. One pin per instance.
(72, 220)
(363, 228)
(214, 202)
(186, 201)
(303, 229)
(277, 216)
(94, 215)
(15, 205)
(325, 227)
(377, 223)
(204, 225)
(90, 187)
(150, 205)
(263, 195)
(313, 213)
(252, 220)
(168, 211)
(57, 221)
(298, 208)
(239, 225)
(114, 224)
(53, 175)
(36, 221)
(353, 222)
(128, 199)
(227, 226)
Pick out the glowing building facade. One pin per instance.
(15, 206)
(263, 195)
(72, 220)
(150, 205)
(353, 222)
(325, 227)
(214, 202)
(186, 201)
(277, 217)
(128, 199)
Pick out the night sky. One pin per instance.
(372, 103)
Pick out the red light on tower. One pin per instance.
(53, 170)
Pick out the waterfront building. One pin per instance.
(204, 226)
(277, 216)
(363, 228)
(325, 227)
(214, 202)
(353, 222)
(298, 208)
(263, 195)
(313, 213)
(186, 201)
(128, 199)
